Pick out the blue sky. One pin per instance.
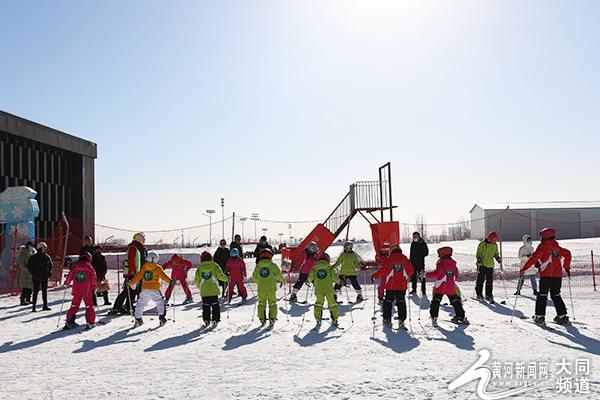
(279, 105)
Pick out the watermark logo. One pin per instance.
(502, 380)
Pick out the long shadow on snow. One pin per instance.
(122, 336)
(314, 337)
(255, 335)
(457, 337)
(176, 341)
(11, 346)
(502, 310)
(590, 345)
(400, 342)
(26, 310)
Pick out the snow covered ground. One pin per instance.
(239, 360)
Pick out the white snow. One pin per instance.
(239, 360)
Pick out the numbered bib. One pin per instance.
(398, 267)
(206, 275)
(148, 275)
(80, 277)
(321, 274)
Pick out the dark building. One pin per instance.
(60, 167)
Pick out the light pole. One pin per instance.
(242, 219)
(264, 231)
(280, 238)
(290, 228)
(222, 218)
(255, 218)
(194, 241)
(210, 213)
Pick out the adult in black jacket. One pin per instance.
(221, 257)
(40, 267)
(99, 265)
(418, 252)
(262, 244)
(237, 244)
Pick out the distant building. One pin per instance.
(572, 220)
(60, 167)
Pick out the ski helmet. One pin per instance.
(234, 253)
(444, 251)
(324, 256)
(312, 248)
(266, 253)
(153, 257)
(205, 256)
(42, 246)
(85, 257)
(548, 233)
(395, 250)
(348, 245)
(385, 248)
(492, 237)
(139, 237)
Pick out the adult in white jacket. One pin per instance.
(525, 253)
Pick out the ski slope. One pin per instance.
(239, 360)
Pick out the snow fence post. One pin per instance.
(593, 271)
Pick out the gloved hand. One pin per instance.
(568, 273)
(421, 274)
(521, 273)
(173, 282)
(373, 278)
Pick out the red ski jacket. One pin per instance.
(83, 276)
(445, 275)
(180, 268)
(396, 271)
(549, 254)
(236, 267)
(304, 262)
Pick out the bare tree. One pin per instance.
(420, 222)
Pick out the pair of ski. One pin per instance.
(334, 327)
(76, 328)
(485, 301)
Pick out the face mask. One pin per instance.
(415, 239)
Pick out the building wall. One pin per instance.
(63, 179)
(477, 223)
(511, 226)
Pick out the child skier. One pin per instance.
(180, 268)
(236, 269)
(304, 262)
(549, 254)
(384, 251)
(150, 274)
(396, 272)
(323, 277)
(208, 275)
(350, 262)
(487, 252)
(445, 275)
(265, 275)
(83, 277)
(525, 253)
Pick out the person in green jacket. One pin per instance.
(207, 279)
(487, 252)
(350, 264)
(265, 275)
(323, 277)
(24, 279)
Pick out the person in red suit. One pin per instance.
(180, 267)
(83, 278)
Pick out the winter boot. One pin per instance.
(535, 292)
(138, 322)
(387, 322)
(272, 323)
(215, 323)
(206, 324)
(518, 293)
(162, 320)
(490, 299)
(263, 322)
(359, 296)
(562, 320)
(90, 326)
(335, 323)
(434, 321)
(166, 301)
(293, 297)
(243, 302)
(539, 319)
(479, 298)
(69, 325)
(412, 292)
(317, 325)
(188, 300)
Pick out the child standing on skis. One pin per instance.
(396, 272)
(525, 253)
(180, 268)
(265, 275)
(350, 265)
(445, 275)
(83, 277)
(236, 269)
(208, 275)
(487, 252)
(304, 262)
(150, 274)
(323, 277)
(553, 259)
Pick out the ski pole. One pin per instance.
(255, 302)
(130, 303)
(306, 301)
(571, 297)
(287, 304)
(61, 306)
(514, 305)
(172, 303)
(348, 300)
(373, 318)
(409, 316)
